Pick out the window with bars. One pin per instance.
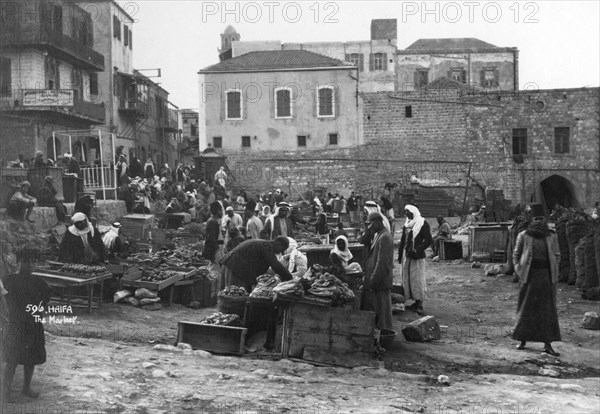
(326, 99)
(490, 77)
(519, 141)
(217, 142)
(233, 104)
(302, 140)
(93, 83)
(561, 140)
(283, 103)
(333, 139)
(245, 142)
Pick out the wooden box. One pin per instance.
(484, 240)
(212, 338)
(137, 226)
(332, 331)
(451, 250)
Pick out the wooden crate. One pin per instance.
(451, 250)
(331, 330)
(484, 240)
(212, 338)
(132, 279)
(137, 226)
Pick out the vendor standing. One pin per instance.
(251, 259)
(213, 242)
(82, 243)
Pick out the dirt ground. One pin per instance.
(107, 363)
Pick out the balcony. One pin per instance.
(21, 34)
(134, 107)
(169, 122)
(56, 103)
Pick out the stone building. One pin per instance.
(48, 79)
(277, 100)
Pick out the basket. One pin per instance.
(232, 304)
(386, 337)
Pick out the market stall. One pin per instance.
(67, 277)
(319, 253)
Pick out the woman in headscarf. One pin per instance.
(322, 228)
(82, 243)
(416, 238)
(264, 215)
(23, 340)
(536, 258)
(294, 260)
(373, 207)
(341, 256)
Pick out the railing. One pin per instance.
(133, 105)
(99, 178)
(169, 120)
(93, 110)
(30, 33)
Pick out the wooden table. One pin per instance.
(56, 279)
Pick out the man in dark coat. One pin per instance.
(23, 340)
(47, 198)
(536, 258)
(85, 205)
(379, 272)
(213, 242)
(251, 259)
(82, 243)
(73, 165)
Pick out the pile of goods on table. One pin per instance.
(83, 271)
(316, 284)
(180, 256)
(224, 319)
(233, 291)
(158, 274)
(232, 300)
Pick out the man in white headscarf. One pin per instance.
(82, 243)
(416, 238)
(278, 224)
(112, 240)
(373, 207)
(294, 260)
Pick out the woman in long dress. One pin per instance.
(536, 257)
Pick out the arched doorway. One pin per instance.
(558, 190)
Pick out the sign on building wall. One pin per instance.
(48, 97)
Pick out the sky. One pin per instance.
(558, 41)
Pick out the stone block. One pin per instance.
(422, 330)
(591, 321)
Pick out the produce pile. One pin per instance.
(223, 319)
(264, 287)
(290, 288)
(233, 291)
(159, 274)
(181, 256)
(142, 297)
(328, 286)
(84, 271)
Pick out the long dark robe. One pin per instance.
(23, 338)
(538, 317)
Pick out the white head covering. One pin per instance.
(111, 235)
(373, 207)
(345, 255)
(417, 221)
(290, 255)
(81, 233)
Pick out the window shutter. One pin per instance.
(496, 77)
(449, 74)
(273, 104)
(361, 62)
(416, 79)
(464, 76)
(5, 77)
(223, 111)
(482, 77)
(125, 35)
(384, 61)
(90, 30)
(370, 62)
(336, 101)
(315, 101)
(116, 27)
(130, 40)
(244, 103)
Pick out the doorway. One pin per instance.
(558, 190)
